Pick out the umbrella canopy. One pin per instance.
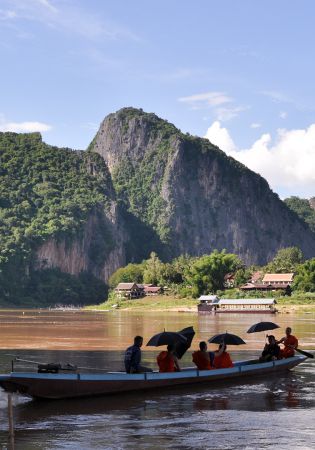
(166, 338)
(182, 347)
(262, 326)
(227, 338)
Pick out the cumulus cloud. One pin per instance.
(220, 136)
(287, 162)
(24, 127)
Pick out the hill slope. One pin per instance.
(304, 208)
(57, 211)
(69, 219)
(192, 194)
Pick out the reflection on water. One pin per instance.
(277, 412)
(43, 329)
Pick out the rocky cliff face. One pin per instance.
(98, 250)
(191, 195)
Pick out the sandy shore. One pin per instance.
(282, 309)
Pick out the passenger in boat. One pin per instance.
(202, 358)
(222, 359)
(290, 344)
(167, 360)
(271, 351)
(133, 357)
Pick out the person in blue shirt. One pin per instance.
(133, 357)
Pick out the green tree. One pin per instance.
(305, 277)
(207, 273)
(153, 269)
(132, 273)
(302, 207)
(242, 275)
(286, 260)
(174, 272)
(47, 192)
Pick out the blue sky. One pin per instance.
(240, 72)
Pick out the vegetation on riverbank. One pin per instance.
(172, 303)
(186, 278)
(194, 276)
(154, 303)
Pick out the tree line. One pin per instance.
(194, 276)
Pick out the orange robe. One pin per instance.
(287, 352)
(165, 362)
(202, 360)
(223, 361)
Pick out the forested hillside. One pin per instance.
(45, 192)
(69, 219)
(191, 194)
(304, 208)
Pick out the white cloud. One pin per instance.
(222, 105)
(206, 99)
(47, 5)
(24, 127)
(70, 17)
(220, 136)
(283, 115)
(229, 112)
(255, 125)
(277, 96)
(287, 162)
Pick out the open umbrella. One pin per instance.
(182, 347)
(262, 326)
(227, 338)
(166, 338)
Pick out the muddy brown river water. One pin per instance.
(277, 412)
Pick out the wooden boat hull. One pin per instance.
(65, 385)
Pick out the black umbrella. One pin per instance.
(227, 338)
(182, 347)
(262, 326)
(166, 338)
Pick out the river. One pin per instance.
(267, 413)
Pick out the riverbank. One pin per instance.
(154, 303)
(168, 303)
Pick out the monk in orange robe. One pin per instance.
(201, 357)
(222, 359)
(290, 343)
(167, 361)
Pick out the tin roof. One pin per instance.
(152, 288)
(209, 298)
(248, 301)
(283, 277)
(125, 286)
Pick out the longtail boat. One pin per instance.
(69, 385)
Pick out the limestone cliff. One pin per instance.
(98, 249)
(191, 194)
